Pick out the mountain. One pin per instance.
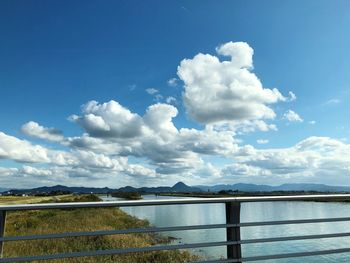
(62, 188)
(181, 187)
(178, 187)
(3, 190)
(268, 188)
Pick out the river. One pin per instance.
(197, 214)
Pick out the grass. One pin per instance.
(89, 219)
(15, 200)
(128, 195)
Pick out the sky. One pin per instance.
(115, 93)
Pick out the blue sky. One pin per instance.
(57, 56)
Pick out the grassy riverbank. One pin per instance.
(75, 220)
(13, 200)
(128, 195)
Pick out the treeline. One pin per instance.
(127, 195)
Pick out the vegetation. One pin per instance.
(128, 195)
(13, 200)
(89, 219)
(53, 193)
(236, 193)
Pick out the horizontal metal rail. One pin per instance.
(173, 247)
(293, 238)
(298, 254)
(115, 232)
(169, 229)
(117, 251)
(297, 221)
(232, 226)
(173, 202)
(280, 256)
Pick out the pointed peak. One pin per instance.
(181, 184)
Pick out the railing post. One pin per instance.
(233, 213)
(2, 229)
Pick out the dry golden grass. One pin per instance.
(75, 220)
(15, 200)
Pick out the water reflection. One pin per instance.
(197, 214)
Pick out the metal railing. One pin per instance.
(233, 225)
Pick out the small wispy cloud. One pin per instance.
(132, 87)
(184, 8)
(332, 102)
(172, 82)
(158, 97)
(152, 91)
(291, 96)
(312, 122)
(262, 141)
(170, 100)
(292, 116)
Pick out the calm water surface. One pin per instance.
(197, 214)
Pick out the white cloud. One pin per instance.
(158, 140)
(240, 52)
(6, 172)
(94, 160)
(136, 170)
(262, 141)
(224, 95)
(159, 117)
(172, 82)
(291, 96)
(292, 116)
(252, 126)
(332, 102)
(318, 159)
(34, 129)
(109, 119)
(207, 141)
(19, 150)
(152, 91)
(226, 91)
(29, 170)
(132, 87)
(158, 97)
(162, 145)
(170, 100)
(242, 171)
(312, 122)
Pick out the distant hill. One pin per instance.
(61, 188)
(3, 190)
(181, 187)
(268, 188)
(178, 187)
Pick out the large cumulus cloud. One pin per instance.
(226, 91)
(32, 128)
(109, 119)
(222, 93)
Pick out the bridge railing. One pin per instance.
(233, 226)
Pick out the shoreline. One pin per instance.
(212, 195)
